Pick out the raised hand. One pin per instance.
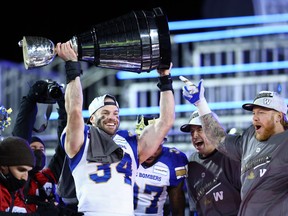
(191, 92)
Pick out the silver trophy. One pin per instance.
(37, 51)
(136, 42)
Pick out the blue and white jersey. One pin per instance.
(150, 190)
(106, 189)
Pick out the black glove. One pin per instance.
(37, 91)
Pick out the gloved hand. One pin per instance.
(37, 91)
(195, 95)
(191, 92)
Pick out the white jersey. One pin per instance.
(150, 190)
(106, 189)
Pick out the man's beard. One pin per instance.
(268, 132)
(101, 126)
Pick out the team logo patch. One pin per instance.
(181, 172)
(267, 101)
(251, 175)
(160, 170)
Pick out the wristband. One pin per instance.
(73, 69)
(203, 107)
(165, 83)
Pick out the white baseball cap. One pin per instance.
(193, 120)
(99, 102)
(268, 99)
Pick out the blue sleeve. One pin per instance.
(177, 162)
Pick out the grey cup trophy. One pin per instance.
(136, 42)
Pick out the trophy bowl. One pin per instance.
(37, 51)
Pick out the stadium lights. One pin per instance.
(230, 33)
(224, 22)
(205, 70)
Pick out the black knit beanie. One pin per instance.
(15, 151)
(37, 139)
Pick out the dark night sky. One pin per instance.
(60, 22)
